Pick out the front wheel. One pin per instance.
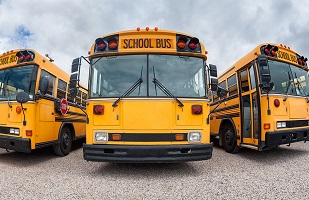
(229, 139)
(63, 147)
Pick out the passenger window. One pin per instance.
(232, 85)
(52, 79)
(62, 88)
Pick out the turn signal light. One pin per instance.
(98, 109)
(28, 132)
(18, 109)
(266, 125)
(179, 137)
(116, 137)
(196, 109)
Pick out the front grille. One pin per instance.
(142, 137)
(6, 130)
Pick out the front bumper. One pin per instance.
(147, 154)
(16, 144)
(286, 137)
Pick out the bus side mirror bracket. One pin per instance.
(22, 97)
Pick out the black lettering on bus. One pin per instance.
(13, 59)
(126, 42)
(158, 44)
(140, 43)
(293, 58)
(146, 43)
(168, 43)
(136, 43)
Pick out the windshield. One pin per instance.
(181, 76)
(288, 79)
(17, 79)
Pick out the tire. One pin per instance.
(63, 147)
(229, 139)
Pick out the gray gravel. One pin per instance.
(282, 173)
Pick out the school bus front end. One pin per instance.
(148, 98)
(267, 103)
(147, 131)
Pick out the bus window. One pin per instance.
(62, 88)
(232, 85)
(252, 77)
(52, 79)
(244, 81)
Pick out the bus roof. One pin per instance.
(147, 41)
(283, 53)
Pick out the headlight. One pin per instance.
(14, 131)
(281, 124)
(194, 136)
(101, 136)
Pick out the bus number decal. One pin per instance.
(8, 60)
(287, 56)
(146, 43)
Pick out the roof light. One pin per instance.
(112, 44)
(182, 42)
(147, 28)
(25, 56)
(193, 43)
(101, 46)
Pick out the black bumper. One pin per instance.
(147, 154)
(16, 144)
(286, 137)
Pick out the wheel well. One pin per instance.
(224, 123)
(70, 126)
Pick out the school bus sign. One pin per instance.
(8, 59)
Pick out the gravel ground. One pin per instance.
(282, 173)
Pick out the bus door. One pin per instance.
(249, 108)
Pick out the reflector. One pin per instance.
(277, 102)
(98, 109)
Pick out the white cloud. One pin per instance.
(229, 29)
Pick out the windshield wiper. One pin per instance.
(302, 88)
(131, 89)
(164, 89)
(288, 87)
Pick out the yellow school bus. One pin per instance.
(147, 99)
(36, 110)
(262, 100)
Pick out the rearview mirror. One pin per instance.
(75, 65)
(214, 84)
(213, 70)
(22, 97)
(43, 86)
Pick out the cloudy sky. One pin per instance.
(66, 29)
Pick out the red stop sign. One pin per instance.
(64, 106)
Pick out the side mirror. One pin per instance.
(214, 84)
(73, 92)
(262, 60)
(221, 92)
(22, 97)
(43, 86)
(75, 65)
(213, 70)
(73, 81)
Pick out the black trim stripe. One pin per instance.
(226, 108)
(225, 99)
(57, 119)
(231, 115)
(76, 113)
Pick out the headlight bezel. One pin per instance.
(194, 137)
(101, 134)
